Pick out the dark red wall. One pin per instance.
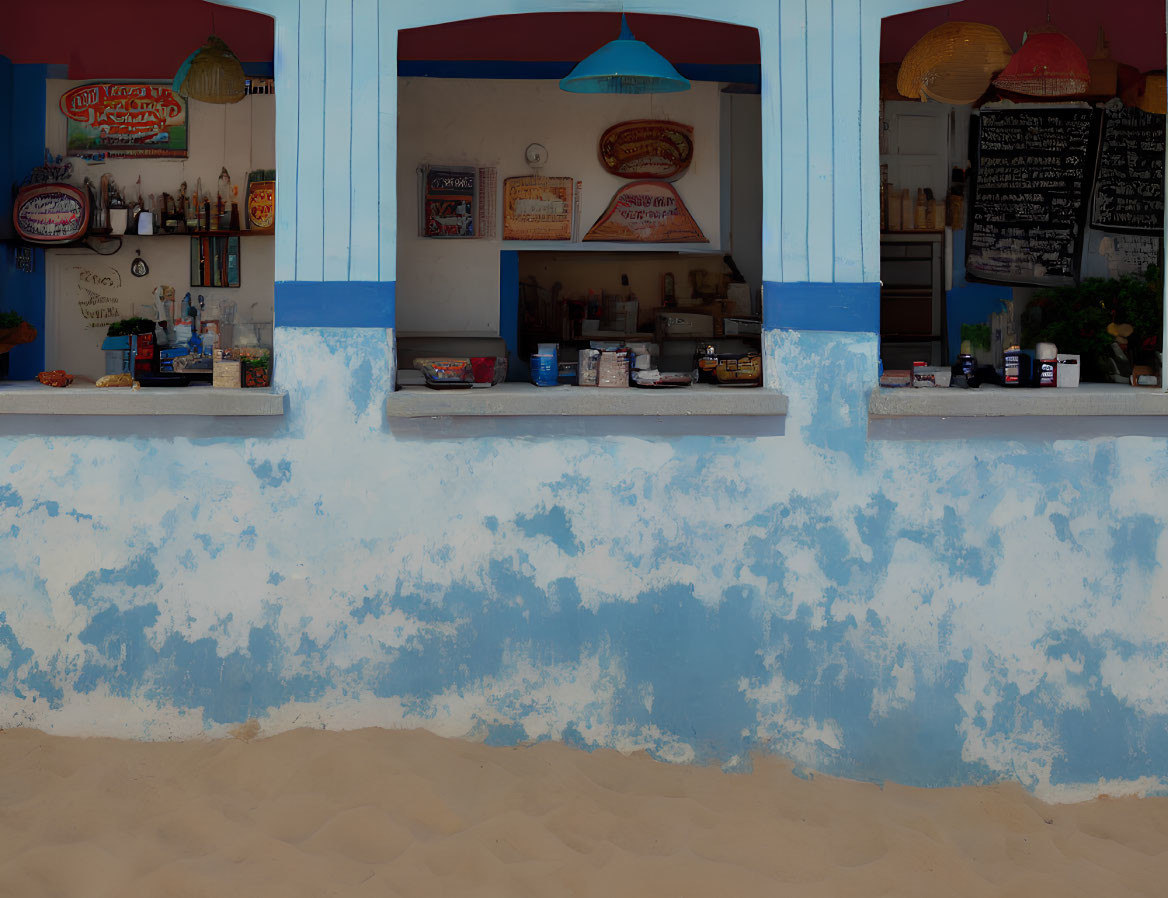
(568, 36)
(126, 38)
(1135, 28)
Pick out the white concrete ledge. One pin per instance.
(519, 399)
(32, 398)
(1108, 400)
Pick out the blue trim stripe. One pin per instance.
(746, 73)
(509, 299)
(850, 308)
(21, 292)
(335, 303)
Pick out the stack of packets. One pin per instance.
(225, 370)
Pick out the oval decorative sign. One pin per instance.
(261, 205)
(51, 213)
(647, 149)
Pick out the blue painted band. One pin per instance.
(509, 299)
(20, 291)
(852, 308)
(335, 303)
(745, 73)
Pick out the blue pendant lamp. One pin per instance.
(624, 66)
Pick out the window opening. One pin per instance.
(1014, 209)
(515, 230)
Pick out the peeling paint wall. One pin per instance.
(933, 613)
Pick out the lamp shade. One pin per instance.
(624, 66)
(212, 74)
(953, 63)
(1048, 64)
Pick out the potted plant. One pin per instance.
(14, 331)
(1113, 324)
(257, 369)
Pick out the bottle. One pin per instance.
(1046, 365)
(222, 207)
(1016, 368)
(233, 220)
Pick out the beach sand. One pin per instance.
(389, 812)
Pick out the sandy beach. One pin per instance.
(381, 812)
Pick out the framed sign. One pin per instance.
(261, 206)
(536, 208)
(50, 213)
(448, 201)
(646, 212)
(647, 148)
(125, 120)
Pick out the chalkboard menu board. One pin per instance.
(1129, 177)
(1028, 209)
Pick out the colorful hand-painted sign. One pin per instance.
(536, 208)
(51, 213)
(647, 212)
(647, 149)
(125, 120)
(261, 205)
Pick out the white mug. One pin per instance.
(118, 219)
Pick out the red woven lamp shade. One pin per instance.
(1048, 64)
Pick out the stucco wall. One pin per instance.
(932, 613)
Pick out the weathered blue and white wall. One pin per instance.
(928, 612)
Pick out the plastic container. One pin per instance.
(544, 371)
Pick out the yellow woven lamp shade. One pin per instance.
(1155, 94)
(953, 63)
(215, 75)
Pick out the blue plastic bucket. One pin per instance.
(544, 371)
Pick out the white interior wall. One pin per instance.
(78, 282)
(746, 188)
(452, 286)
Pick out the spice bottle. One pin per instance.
(1016, 368)
(1046, 363)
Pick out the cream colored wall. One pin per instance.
(78, 282)
(453, 285)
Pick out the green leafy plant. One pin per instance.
(1076, 319)
(129, 327)
(263, 360)
(10, 319)
(978, 335)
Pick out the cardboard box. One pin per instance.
(684, 324)
(931, 376)
(737, 327)
(1068, 370)
(226, 373)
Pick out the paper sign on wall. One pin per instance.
(125, 120)
(537, 208)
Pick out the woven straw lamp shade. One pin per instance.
(1048, 64)
(1154, 97)
(953, 63)
(213, 74)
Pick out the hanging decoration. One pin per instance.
(1048, 64)
(953, 63)
(212, 74)
(624, 66)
